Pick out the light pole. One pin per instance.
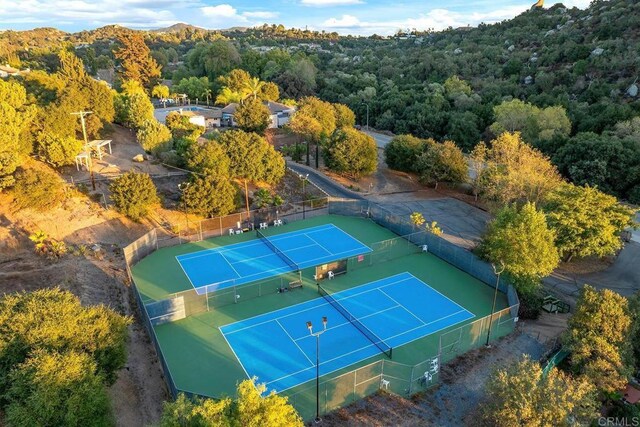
(317, 335)
(82, 114)
(367, 114)
(304, 192)
(495, 296)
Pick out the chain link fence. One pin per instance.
(345, 388)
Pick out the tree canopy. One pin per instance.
(252, 116)
(351, 152)
(441, 163)
(134, 194)
(586, 221)
(250, 408)
(520, 239)
(136, 60)
(521, 394)
(598, 338)
(515, 172)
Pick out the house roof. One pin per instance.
(632, 394)
(211, 114)
(274, 107)
(230, 109)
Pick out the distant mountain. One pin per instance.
(175, 28)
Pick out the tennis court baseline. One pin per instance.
(218, 268)
(277, 348)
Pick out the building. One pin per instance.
(280, 114)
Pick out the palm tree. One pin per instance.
(227, 96)
(253, 86)
(207, 94)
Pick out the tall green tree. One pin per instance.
(136, 60)
(209, 158)
(598, 338)
(209, 196)
(522, 395)
(252, 159)
(154, 137)
(133, 106)
(314, 120)
(16, 117)
(193, 87)
(516, 172)
(520, 239)
(213, 59)
(345, 117)
(351, 152)
(586, 221)
(442, 163)
(252, 116)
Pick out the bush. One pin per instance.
(171, 158)
(182, 128)
(352, 153)
(38, 189)
(134, 194)
(402, 151)
(55, 321)
(209, 159)
(209, 196)
(58, 389)
(58, 151)
(442, 163)
(154, 137)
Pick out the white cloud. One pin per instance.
(221, 10)
(436, 19)
(261, 14)
(323, 3)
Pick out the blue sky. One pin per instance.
(362, 17)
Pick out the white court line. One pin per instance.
(372, 345)
(307, 302)
(295, 342)
(403, 306)
(435, 290)
(317, 243)
(231, 265)
(234, 353)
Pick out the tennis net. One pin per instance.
(355, 322)
(277, 251)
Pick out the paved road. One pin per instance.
(323, 182)
(635, 234)
(381, 139)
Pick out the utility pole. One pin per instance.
(82, 114)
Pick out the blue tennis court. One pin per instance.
(277, 348)
(218, 268)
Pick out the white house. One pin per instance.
(280, 114)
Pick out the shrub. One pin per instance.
(58, 151)
(402, 151)
(352, 153)
(209, 196)
(252, 116)
(154, 137)
(38, 189)
(134, 194)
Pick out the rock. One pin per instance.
(96, 248)
(458, 51)
(511, 48)
(138, 158)
(528, 80)
(570, 22)
(533, 59)
(550, 33)
(633, 90)
(597, 52)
